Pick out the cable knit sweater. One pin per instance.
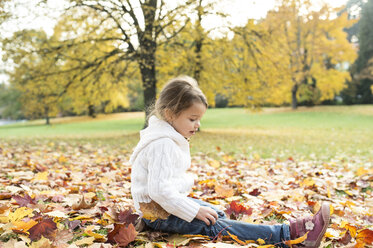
(159, 164)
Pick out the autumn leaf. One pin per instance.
(24, 201)
(82, 204)
(42, 243)
(224, 191)
(5, 196)
(19, 214)
(62, 238)
(365, 236)
(127, 217)
(236, 209)
(235, 238)
(24, 226)
(152, 211)
(46, 228)
(296, 241)
(122, 235)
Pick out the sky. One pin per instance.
(239, 10)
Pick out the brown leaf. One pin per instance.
(127, 217)
(46, 228)
(83, 204)
(122, 235)
(224, 191)
(365, 236)
(153, 211)
(5, 196)
(62, 237)
(24, 201)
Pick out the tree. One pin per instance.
(38, 97)
(136, 26)
(364, 61)
(313, 47)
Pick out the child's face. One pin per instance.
(188, 121)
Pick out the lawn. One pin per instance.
(73, 177)
(307, 133)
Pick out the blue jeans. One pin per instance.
(272, 234)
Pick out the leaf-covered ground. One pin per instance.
(53, 194)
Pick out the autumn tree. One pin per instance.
(136, 26)
(38, 97)
(313, 47)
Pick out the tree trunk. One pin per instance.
(47, 119)
(91, 111)
(294, 103)
(148, 47)
(199, 42)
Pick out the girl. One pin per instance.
(159, 164)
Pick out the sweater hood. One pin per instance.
(158, 129)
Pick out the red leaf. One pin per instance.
(236, 209)
(24, 201)
(122, 235)
(127, 217)
(255, 192)
(46, 228)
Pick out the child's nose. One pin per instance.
(198, 124)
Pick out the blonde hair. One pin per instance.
(178, 95)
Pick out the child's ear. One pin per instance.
(168, 115)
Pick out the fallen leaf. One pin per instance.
(365, 236)
(224, 191)
(127, 217)
(85, 241)
(82, 204)
(296, 241)
(235, 238)
(122, 235)
(152, 211)
(46, 228)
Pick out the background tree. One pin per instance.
(314, 48)
(363, 62)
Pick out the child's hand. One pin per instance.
(207, 215)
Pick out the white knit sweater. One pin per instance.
(159, 164)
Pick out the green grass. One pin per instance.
(317, 133)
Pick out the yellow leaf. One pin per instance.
(361, 171)
(235, 238)
(296, 241)
(41, 176)
(19, 214)
(214, 163)
(153, 211)
(89, 232)
(260, 241)
(24, 226)
(85, 241)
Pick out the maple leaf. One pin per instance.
(45, 227)
(24, 201)
(122, 235)
(224, 191)
(365, 236)
(62, 238)
(153, 211)
(235, 209)
(83, 204)
(127, 217)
